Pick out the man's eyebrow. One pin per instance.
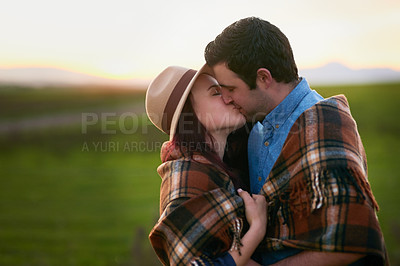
(226, 86)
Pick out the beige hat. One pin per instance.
(167, 94)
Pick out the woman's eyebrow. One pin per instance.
(214, 86)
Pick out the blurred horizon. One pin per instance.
(333, 73)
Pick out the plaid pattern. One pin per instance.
(318, 191)
(199, 210)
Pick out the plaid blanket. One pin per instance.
(318, 191)
(199, 210)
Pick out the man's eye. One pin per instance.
(229, 89)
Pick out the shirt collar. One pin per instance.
(281, 113)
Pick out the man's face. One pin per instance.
(251, 103)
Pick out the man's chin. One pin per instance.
(248, 118)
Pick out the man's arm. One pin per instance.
(311, 258)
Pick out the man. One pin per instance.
(304, 153)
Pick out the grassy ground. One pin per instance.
(69, 197)
(73, 198)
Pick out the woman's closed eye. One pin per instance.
(216, 91)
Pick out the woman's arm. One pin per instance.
(256, 215)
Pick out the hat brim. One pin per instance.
(204, 69)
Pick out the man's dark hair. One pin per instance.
(252, 43)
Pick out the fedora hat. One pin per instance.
(167, 94)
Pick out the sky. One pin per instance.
(123, 39)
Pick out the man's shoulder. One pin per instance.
(327, 126)
(337, 102)
(334, 110)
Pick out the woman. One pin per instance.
(201, 213)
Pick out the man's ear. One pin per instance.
(264, 78)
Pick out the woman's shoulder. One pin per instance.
(171, 155)
(195, 166)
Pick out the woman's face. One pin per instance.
(212, 112)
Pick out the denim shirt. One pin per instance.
(267, 138)
(265, 144)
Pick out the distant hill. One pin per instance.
(336, 73)
(333, 73)
(40, 77)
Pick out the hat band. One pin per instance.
(174, 99)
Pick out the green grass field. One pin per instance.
(85, 192)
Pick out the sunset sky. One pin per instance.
(126, 39)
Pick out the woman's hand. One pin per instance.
(256, 215)
(256, 211)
